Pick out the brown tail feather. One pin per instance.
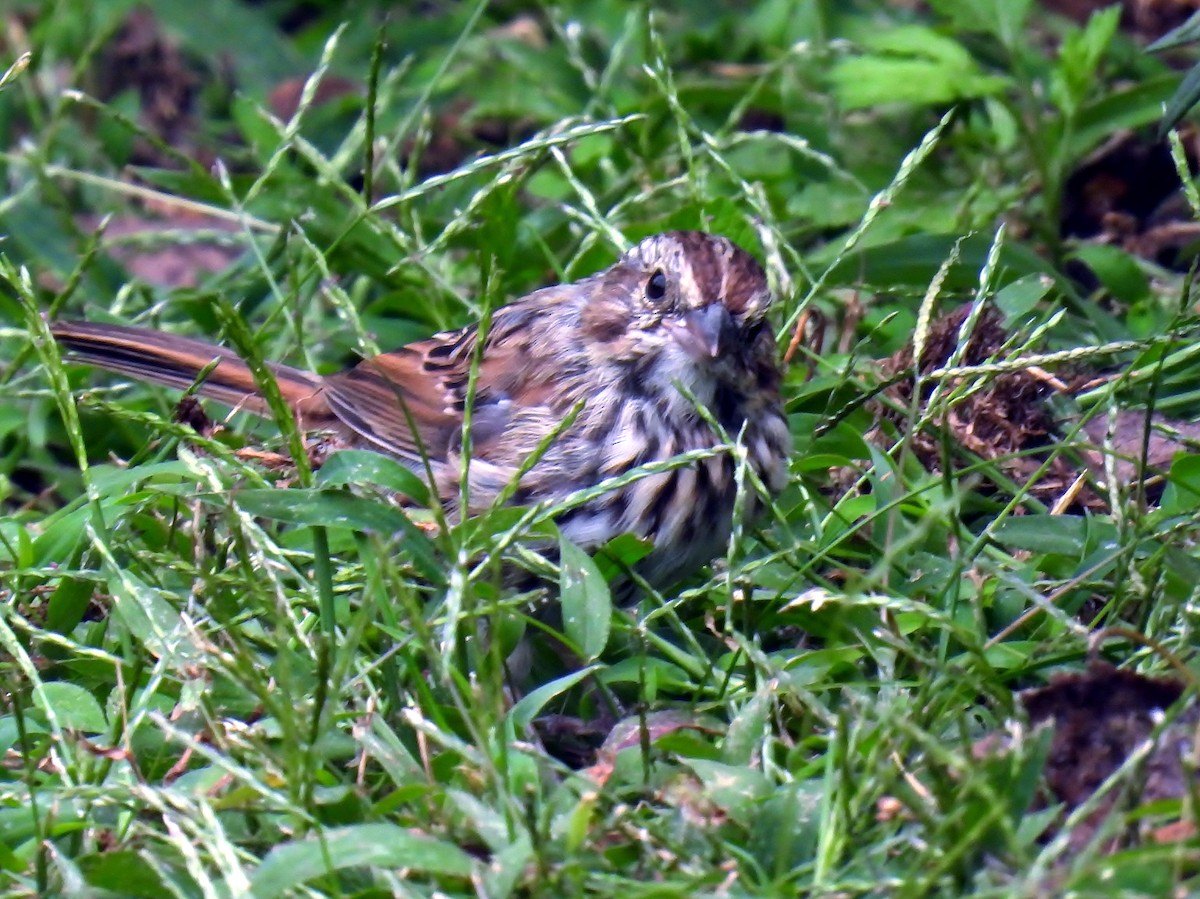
(172, 361)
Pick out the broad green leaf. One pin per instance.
(531, 704)
(507, 866)
(123, 873)
(150, 618)
(13, 418)
(787, 827)
(74, 707)
(329, 508)
(1013, 654)
(737, 789)
(291, 864)
(622, 552)
(747, 729)
(1003, 18)
(886, 483)
(68, 603)
(9, 733)
(61, 533)
(915, 260)
(1182, 495)
(1135, 106)
(923, 43)
(911, 64)
(874, 81)
(491, 824)
(586, 600)
(257, 130)
(251, 43)
(1117, 270)
(348, 467)
(16, 545)
(1022, 296)
(1061, 534)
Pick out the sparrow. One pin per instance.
(645, 355)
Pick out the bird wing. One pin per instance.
(414, 399)
(175, 361)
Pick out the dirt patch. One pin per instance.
(1005, 420)
(1100, 719)
(142, 59)
(1143, 444)
(176, 249)
(1127, 194)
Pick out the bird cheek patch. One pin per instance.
(604, 322)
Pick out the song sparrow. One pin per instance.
(681, 308)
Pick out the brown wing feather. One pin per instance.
(373, 397)
(173, 361)
(429, 380)
(519, 399)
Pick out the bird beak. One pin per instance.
(705, 333)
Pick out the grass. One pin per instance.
(220, 678)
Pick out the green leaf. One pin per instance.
(922, 42)
(74, 707)
(289, 865)
(258, 132)
(875, 81)
(1187, 33)
(744, 737)
(1014, 654)
(150, 618)
(68, 604)
(16, 545)
(737, 789)
(531, 704)
(620, 553)
(1061, 534)
(1135, 106)
(911, 64)
(347, 467)
(586, 600)
(1182, 494)
(915, 260)
(250, 42)
(1117, 270)
(1022, 296)
(508, 865)
(61, 533)
(1079, 59)
(1182, 101)
(123, 873)
(328, 508)
(1002, 18)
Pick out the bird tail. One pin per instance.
(172, 361)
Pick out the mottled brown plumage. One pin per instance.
(681, 308)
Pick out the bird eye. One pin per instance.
(656, 287)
